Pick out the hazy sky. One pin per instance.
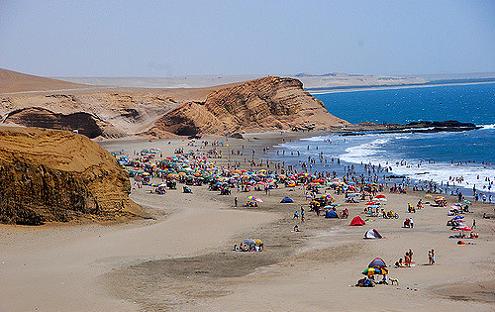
(163, 38)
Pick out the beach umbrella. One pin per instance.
(380, 196)
(252, 198)
(465, 229)
(369, 271)
(377, 263)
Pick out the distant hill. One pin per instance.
(12, 81)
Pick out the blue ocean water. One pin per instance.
(467, 103)
(467, 156)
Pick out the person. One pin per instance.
(384, 273)
(430, 262)
(365, 282)
(296, 228)
(410, 256)
(235, 202)
(296, 215)
(474, 224)
(411, 222)
(433, 256)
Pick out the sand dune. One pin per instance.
(12, 81)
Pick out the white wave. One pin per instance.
(317, 138)
(470, 175)
(371, 153)
(443, 172)
(363, 152)
(487, 127)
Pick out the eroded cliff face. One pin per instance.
(270, 103)
(86, 124)
(266, 104)
(50, 175)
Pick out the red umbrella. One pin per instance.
(465, 228)
(371, 203)
(380, 196)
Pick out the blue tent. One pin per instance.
(287, 200)
(331, 214)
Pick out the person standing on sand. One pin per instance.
(410, 257)
(235, 201)
(406, 259)
(432, 256)
(474, 224)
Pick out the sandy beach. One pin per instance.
(181, 259)
(176, 156)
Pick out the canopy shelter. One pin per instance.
(377, 263)
(372, 234)
(357, 221)
(287, 200)
(331, 214)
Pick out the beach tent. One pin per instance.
(372, 234)
(357, 221)
(331, 214)
(287, 200)
(377, 263)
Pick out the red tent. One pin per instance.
(357, 221)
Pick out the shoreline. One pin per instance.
(385, 87)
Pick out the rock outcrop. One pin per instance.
(412, 127)
(48, 175)
(86, 124)
(270, 103)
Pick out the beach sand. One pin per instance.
(181, 260)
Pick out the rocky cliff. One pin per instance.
(50, 175)
(270, 103)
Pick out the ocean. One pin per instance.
(466, 159)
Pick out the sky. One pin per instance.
(174, 38)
